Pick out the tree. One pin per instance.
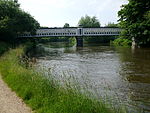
(135, 21)
(14, 21)
(111, 24)
(88, 21)
(66, 25)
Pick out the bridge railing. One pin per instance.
(73, 32)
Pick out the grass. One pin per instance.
(43, 95)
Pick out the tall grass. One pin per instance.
(43, 95)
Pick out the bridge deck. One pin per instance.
(74, 32)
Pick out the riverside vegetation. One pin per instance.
(121, 42)
(4, 47)
(45, 95)
(134, 19)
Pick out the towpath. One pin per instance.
(10, 102)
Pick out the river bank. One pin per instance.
(43, 95)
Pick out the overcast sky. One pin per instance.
(55, 13)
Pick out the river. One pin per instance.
(114, 73)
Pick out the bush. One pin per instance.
(3, 47)
(122, 42)
(102, 39)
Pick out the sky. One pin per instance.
(55, 13)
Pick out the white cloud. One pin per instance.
(57, 12)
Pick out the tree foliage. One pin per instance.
(14, 21)
(111, 24)
(88, 21)
(66, 25)
(135, 20)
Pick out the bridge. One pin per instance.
(77, 32)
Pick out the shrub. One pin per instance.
(3, 47)
(122, 42)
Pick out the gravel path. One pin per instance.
(9, 102)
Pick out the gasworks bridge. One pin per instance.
(77, 32)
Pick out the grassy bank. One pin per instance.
(43, 95)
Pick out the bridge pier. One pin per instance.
(79, 41)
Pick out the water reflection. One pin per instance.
(135, 70)
(122, 74)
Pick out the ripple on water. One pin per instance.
(120, 73)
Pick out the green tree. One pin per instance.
(88, 21)
(135, 21)
(66, 25)
(111, 24)
(14, 21)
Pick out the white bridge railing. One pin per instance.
(74, 32)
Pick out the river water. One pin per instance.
(117, 73)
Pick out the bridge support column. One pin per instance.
(79, 41)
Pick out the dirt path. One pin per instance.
(9, 102)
